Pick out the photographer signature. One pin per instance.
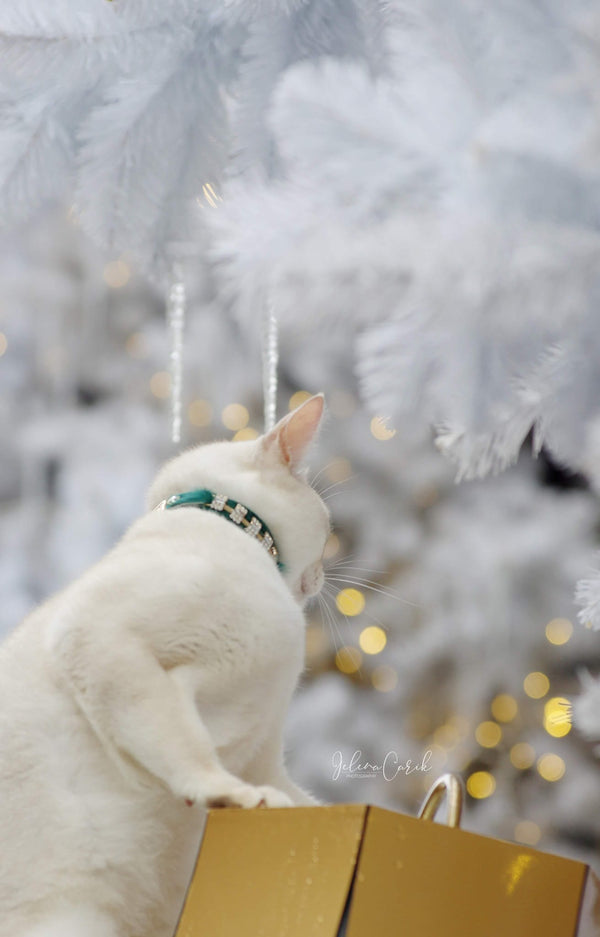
(389, 768)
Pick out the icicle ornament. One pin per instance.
(270, 360)
(176, 302)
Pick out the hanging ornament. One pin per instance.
(270, 359)
(176, 302)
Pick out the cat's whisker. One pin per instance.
(349, 558)
(328, 591)
(332, 495)
(342, 481)
(319, 473)
(369, 584)
(330, 619)
(339, 568)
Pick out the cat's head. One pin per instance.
(266, 475)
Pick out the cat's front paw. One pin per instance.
(247, 795)
(228, 791)
(272, 797)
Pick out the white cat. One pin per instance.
(158, 679)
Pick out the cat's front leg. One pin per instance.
(268, 764)
(224, 789)
(137, 709)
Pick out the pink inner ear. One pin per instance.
(298, 430)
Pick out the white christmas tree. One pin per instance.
(414, 188)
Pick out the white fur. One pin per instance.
(162, 675)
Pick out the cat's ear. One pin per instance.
(287, 442)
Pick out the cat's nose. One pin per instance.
(312, 580)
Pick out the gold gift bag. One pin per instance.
(359, 871)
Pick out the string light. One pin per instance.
(536, 684)
(557, 716)
(559, 630)
(504, 707)
(522, 755)
(384, 679)
(481, 784)
(380, 430)
(373, 639)
(350, 602)
(551, 767)
(235, 416)
(270, 361)
(176, 312)
(200, 413)
(488, 734)
(348, 659)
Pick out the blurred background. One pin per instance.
(446, 632)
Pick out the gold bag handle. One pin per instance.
(449, 785)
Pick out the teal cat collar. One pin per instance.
(231, 510)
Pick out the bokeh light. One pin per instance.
(527, 832)
(488, 734)
(504, 707)
(551, 767)
(384, 679)
(348, 659)
(481, 784)
(332, 547)
(248, 432)
(446, 736)
(536, 684)
(380, 430)
(557, 716)
(160, 384)
(559, 630)
(522, 755)
(200, 413)
(235, 416)
(372, 640)
(338, 470)
(350, 602)
(298, 398)
(116, 274)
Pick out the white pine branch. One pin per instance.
(140, 146)
(587, 596)
(348, 29)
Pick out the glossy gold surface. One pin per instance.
(451, 787)
(289, 872)
(419, 879)
(273, 873)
